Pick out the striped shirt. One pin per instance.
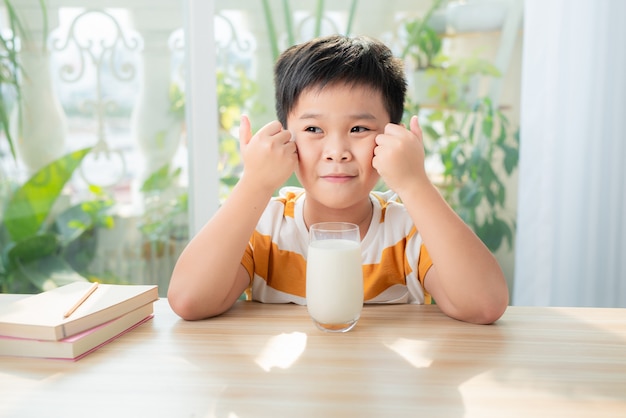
(394, 259)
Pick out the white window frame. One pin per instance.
(201, 111)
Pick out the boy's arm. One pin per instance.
(465, 279)
(208, 276)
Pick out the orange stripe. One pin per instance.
(392, 269)
(383, 207)
(423, 264)
(290, 203)
(282, 270)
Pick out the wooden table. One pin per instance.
(400, 360)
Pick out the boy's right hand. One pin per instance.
(269, 157)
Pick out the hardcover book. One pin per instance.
(41, 316)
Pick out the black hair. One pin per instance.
(334, 59)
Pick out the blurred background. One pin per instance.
(119, 128)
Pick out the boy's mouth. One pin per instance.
(338, 177)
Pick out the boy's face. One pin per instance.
(335, 130)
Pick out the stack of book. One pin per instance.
(74, 320)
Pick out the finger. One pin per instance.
(394, 129)
(245, 131)
(275, 131)
(289, 138)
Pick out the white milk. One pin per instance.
(334, 281)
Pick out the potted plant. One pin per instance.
(41, 249)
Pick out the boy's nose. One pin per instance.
(338, 156)
(337, 150)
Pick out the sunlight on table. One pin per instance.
(282, 351)
(412, 351)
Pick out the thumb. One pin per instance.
(245, 131)
(415, 127)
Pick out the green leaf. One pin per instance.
(49, 272)
(436, 115)
(489, 237)
(432, 133)
(493, 232)
(31, 248)
(80, 252)
(472, 129)
(160, 179)
(487, 175)
(4, 123)
(502, 137)
(511, 156)
(501, 194)
(71, 223)
(491, 197)
(487, 126)
(476, 159)
(30, 205)
(229, 180)
(450, 124)
(470, 195)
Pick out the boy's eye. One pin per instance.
(313, 129)
(358, 129)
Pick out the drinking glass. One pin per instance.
(334, 276)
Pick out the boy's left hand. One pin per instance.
(399, 155)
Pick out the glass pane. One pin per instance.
(111, 80)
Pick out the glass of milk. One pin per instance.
(334, 276)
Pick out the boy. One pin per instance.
(339, 102)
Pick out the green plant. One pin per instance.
(269, 12)
(41, 250)
(166, 209)
(454, 81)
(473, 140)
(9, 72)
(422, 43)
(476, 148)
(236, 94)
(10, 91)
(475, 143)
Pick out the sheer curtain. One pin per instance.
(571, 239)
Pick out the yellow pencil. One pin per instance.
(92, 289)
